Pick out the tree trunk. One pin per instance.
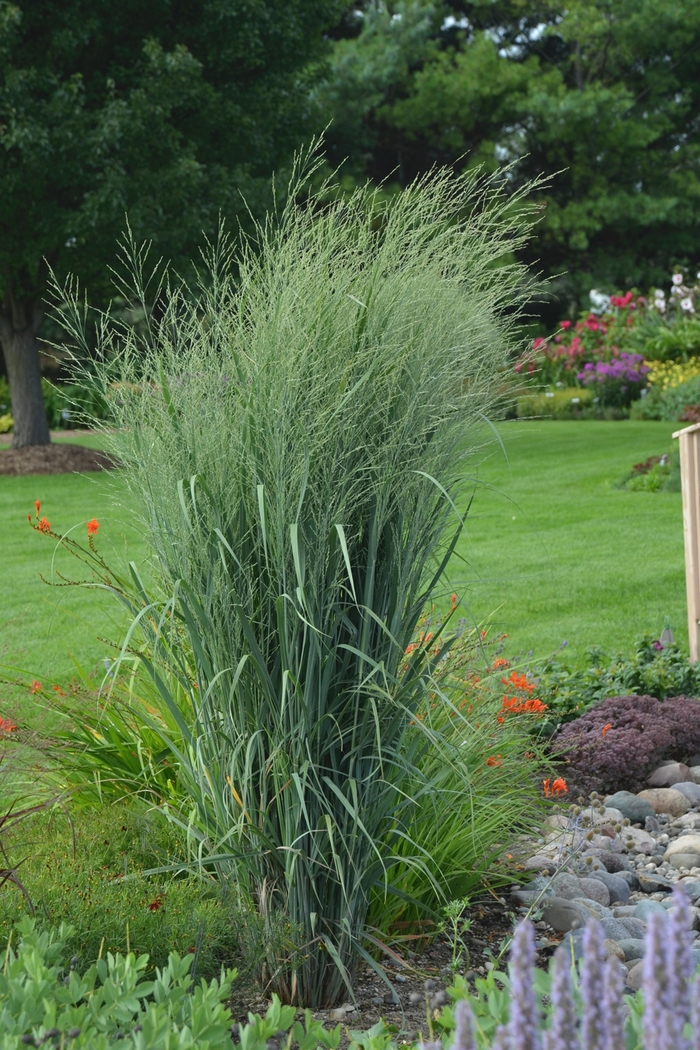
(20, 323)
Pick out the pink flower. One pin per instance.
(565, 324)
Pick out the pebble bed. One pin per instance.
(618, 859)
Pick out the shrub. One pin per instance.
(652, 669)
(294, 437)
(565, 403)
(616, 744)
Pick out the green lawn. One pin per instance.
(552, 550)
(43, 629)
(556, 553)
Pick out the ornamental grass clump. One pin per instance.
(295, 434)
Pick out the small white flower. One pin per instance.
(548, 393)
(698, 276)
(659, 293)
(677, 278)
(687, 304)
(559, 384)
(660, 305)
(575, 400)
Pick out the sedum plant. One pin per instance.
(295, 435)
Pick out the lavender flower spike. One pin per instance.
(656, 1022)
(614, 1009)
(522, 1027)
(695, 996)
(593, 988)
(500, 1039)
(562, 1031)
(679, 966)
(464, 1027)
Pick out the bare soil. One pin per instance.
(56, 458)
(408, 971)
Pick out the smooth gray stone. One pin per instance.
(692, 888)
(634, 977)
(595, 909)
(563, 915)
(572, 938)
(684, 860)
(633, 808)
(633, 948)
(614, 928)
(695, 957)
(635, 927)
(595, 889)
(617, 888)
(613, 862)
(620, 911)
(646, 908)
(630, 878)
(588, 864)
(690, 789)
(650, 883)
(567, 887)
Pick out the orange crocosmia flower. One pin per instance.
(605, 729)
(494, 760)
(93, 526)
(501, 719)
(546, 786)
(37, 504)
(6, 726)
(453, 599)
(499, 662)
(35, 687)
(534, 706)
(57, 689)
(559, 787)
(44, 525)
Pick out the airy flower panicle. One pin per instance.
(464, 1027)
(655, 1022)
(562, 1031)
(614, 979)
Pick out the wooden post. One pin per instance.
(689, 441)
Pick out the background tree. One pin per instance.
(164, 111)
(605, 92)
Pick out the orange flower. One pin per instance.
(57, 689)
(44, 525)
(559, 787)
(93, 526)
(494, 760)
(37, 504)
(453, 599)
(605, 729)
(499, 662)
(501, 719)
(6, 726)
(546, 787)
(35, 687)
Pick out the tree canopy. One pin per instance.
(165, 111)
(603, 92)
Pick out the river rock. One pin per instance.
(635, 927)
(633, 948)
(667, 775)
(689, 843)
(630, 806)
(689, 822)
(694, 774)
(598, 911)
(617, 888)
(634, 977)
(614, 862)
(637, 841)
(685, 860)
(568, 886)
(539, 863)
(691, 887)
(563, 915)
(595, 889)
(611, 947)
(646, 908)
(691, 790)
(666, 800)
(650, 883)
(614, 928)
(572, 942)
(631, 879)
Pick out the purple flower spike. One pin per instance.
(464, 1027)
(522, 1029)
(562, 1032)
(593, 988)
(614, 1009)
(695, 996)
(500, 1039)
(656, 1024)
(679, 965)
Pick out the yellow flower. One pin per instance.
(669, 374)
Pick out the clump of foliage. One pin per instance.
(655, 474)
(561, 403)
(294, 437)
(653, 668)
(86, 870)
(616, 744)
